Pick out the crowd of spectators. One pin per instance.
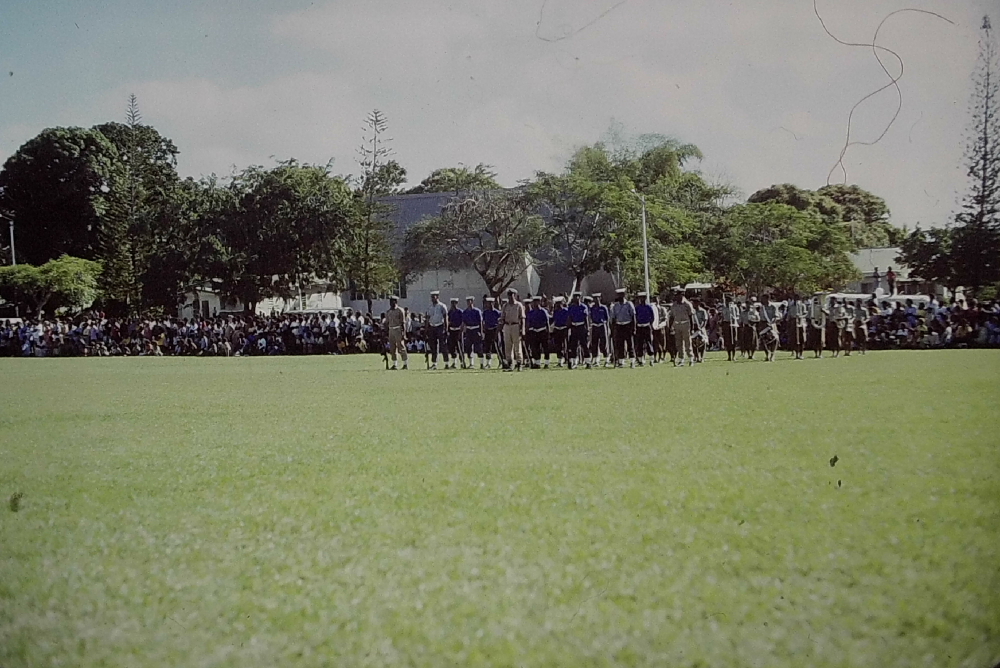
(904, 323)
(894, 322)
(94, 335)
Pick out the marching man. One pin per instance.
(512, 317)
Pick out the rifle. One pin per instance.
(427, 346)
(384, 344)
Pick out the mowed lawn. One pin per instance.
(323, 512)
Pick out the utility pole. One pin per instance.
(645, 244)
(13, 263)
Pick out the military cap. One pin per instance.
(558, 299)
(435, 293)
(641, 294)
(588, 298)
(620, 291)
(512, 291)
(536, 298)
(490, 299)
(470, 299)
(394, 298)
(575, 294)
(454, 299)
(596, 295)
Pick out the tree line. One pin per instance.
(110, 201)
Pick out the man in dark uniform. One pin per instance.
(491, 325)
(537, 335)
(560, 328)
(623, 328)
(472, 320)
(599, 316)
(861, 317)
(795, 322)
(644, 317)
(455, 334)
(579, 329)
(834, 323)
(817, 325)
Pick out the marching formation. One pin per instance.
(580, 331)
(583, 332)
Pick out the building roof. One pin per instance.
(866, 259)
(408, 210)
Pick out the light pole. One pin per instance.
(13, 263)
(645, 244)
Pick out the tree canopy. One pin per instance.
(288, 224)
(864, 216)
(55, 188)
(66, 282)
(457, 179)
(756, 246)
(493, 233)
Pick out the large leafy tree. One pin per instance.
(457, 179)
(492, 232)
(584, 218)
(190, 248)
(66, 282)
(680, 204)
(289, 224)
(928, 254)
(55, 188)
(758, 246)
(863, 215)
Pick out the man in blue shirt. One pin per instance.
(644, 317)
(472, 319)
(455, 334)
(579, 331)
(622, 328)
(436, 332)
(537, 335)
(599, 317)
(491, 325)
(560, 329)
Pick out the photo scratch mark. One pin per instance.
(915, 125)
(566, 29)
(893, 81)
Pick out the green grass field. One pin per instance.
(322, 512)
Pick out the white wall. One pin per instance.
(450, 284)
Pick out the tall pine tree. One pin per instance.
(976, 237)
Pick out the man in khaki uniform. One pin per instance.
(512, 317)
(395, 322)
(681, 314)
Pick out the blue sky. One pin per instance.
(518, 84)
